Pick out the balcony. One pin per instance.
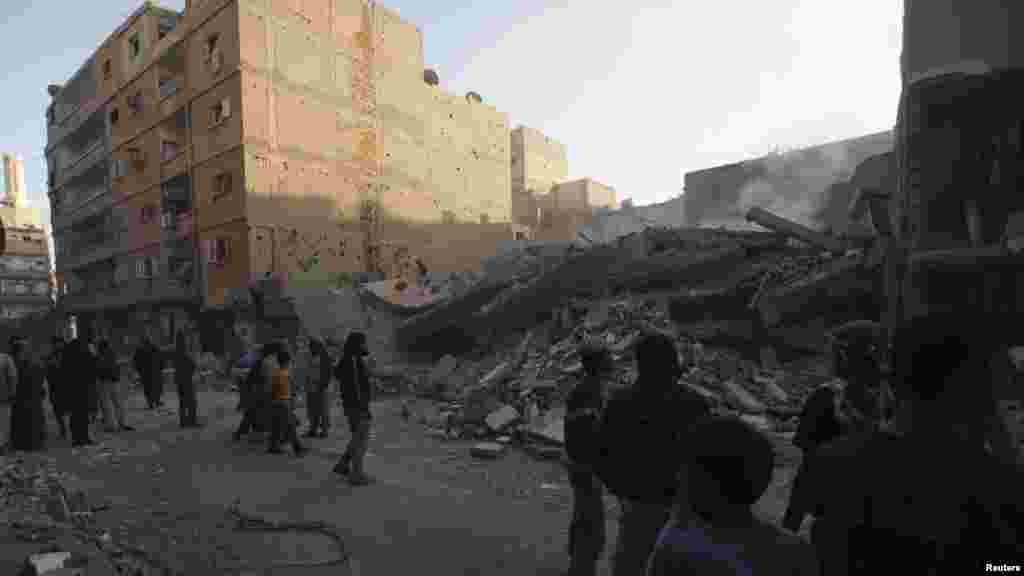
(89, 157)
(130, 293)
(83, 198)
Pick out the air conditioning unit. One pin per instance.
(168, 220)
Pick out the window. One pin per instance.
(448, 217)
(145, 267)
(165, 25)
(167, 86)
(113, 116)
(137, 157)
(134, 46)
(485, 219)
(135, 102)
(106, 69)
(221, 185)
(147, 213)
(211, 44)
(168, 150)
(118, 168)
(220, 112)
(217, 250)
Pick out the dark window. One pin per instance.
(134, 46)
(113, 116)
(106, 69)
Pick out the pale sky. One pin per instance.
(641, 92)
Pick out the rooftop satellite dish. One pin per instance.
(431, 77)
(474, 97)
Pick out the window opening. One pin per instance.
(134, 46)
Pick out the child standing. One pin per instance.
(282, 425)
(717, 533)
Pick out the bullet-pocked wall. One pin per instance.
(446, 196)
(308, 133)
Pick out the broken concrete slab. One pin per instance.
(488, 450)
(501, 418)
(771, 388)
(745, 399)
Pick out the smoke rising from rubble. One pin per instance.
(794, 185)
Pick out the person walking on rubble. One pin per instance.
(184, 380)
(931, 499)
(56, 384)
(643, 431)
(354, 382)
(850, 403)
(111, 397)
(583, 409)
(282, 422)
(318, 381)
(29, 430)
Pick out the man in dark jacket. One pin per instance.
(147, 362)
(929, 500)
(79, 367)
(640, 461)
(583, 410)
(354, 381)
(255, 404)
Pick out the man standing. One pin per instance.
(146, 362)
(79, 367)
(251, 392)
(586, 530)
(56, 385)
(30, 427)
(354, 382)
(8, 389)
(111, 398)
(184, 372)
(643, 437)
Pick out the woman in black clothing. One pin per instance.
(184, 370)
(78, 369)
(354, 381)
(30, 428)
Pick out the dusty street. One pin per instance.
(433, 510)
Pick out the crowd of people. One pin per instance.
(82, 380)
(904, 476)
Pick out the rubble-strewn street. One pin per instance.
(160, 499)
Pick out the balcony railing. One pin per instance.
(129, 293)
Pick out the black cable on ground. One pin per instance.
(252, 523)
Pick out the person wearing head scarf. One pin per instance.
(354, 382)
(254, 402)
(643, 433)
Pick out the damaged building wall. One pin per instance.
(793, 184)
(445, 164)
(539, 163)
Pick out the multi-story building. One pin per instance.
(195, 152)
(25, 260)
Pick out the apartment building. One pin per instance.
(24, 262)
(195, 152)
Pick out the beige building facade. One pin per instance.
(25, 286)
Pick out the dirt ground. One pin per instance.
(433, 509)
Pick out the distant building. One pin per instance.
(25, 285)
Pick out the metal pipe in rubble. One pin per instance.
(790, 228)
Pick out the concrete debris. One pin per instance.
(488, 450)
(501, 418)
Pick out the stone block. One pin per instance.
(501, 418)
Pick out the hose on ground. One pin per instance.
(251, 523)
